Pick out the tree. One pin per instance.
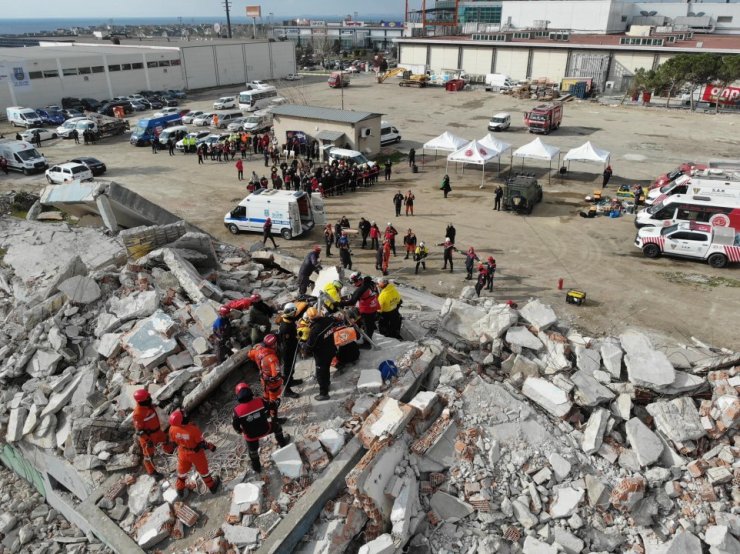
(644, 79)
(336, 47)
(672, 74)
(728, 71)
(702, 69)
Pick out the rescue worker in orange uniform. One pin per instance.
(191, 447)
(268, 364)
(252, 419)
(150, 434)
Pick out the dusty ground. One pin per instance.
(681, 298)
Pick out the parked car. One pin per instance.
(45, 134)
(93, 164)
(236, 124)
(198, 136)
(107, 109)
(225, 103)
(293, 77)
(90, 104)
(175, 93)
(192, 115)
(63, 173)
(154, 103)
(51, 117)
(210, 140)
(138, 106)
(203, 119)
(166, 111)
(70, 113)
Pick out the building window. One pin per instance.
(138, 65)
(175, 62)
(69, 71)
(488, 14)
(114, 68)
(51, 73)
(35, 75)
(164, 63)
(84, 70)
(638, 41)
(624, 19)
(522, 35)
(98, 69)
(125, 67)
(151, 64)
(559, 36)
(724, 19)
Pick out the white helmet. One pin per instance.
(290, 308)
(421, 244)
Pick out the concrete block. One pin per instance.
(459, 318)
(677, 419)
(548, 396)
(170, 495)
(522, 337)
(622, 406)
(449, 508)
(80, 289)
(239, 535)
(555, 358)
(138, 494)
(155, 527)
(451, 375)
(109, 345)
(32, 420)
(147, 342)
(43, 363)
(192, 282)
(15, 424)
(205, 313)
(137, 305)
(536, 546)
(405, 507)
(57, 339)
(587, 360)
(684, 542)
(389, 418)
(589, 392)
(719, 538)
(180, 360)
(363, 405)
(382, 545)
(496, 321)
(594, 432)
(332, 441)
(568, 541)
(685, 383)
(8, 522)
(424, 401)
(522, 514)
(539, 315)
(644, 442)
(370, 381)
(174, 382)
(60, 399)
(288, 461)
(560, 466)
(566, 502)
(719, 475)
(646, 367)
(200, 345)
(248, 496)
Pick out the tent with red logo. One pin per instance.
(474, 153)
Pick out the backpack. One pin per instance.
(388, 370)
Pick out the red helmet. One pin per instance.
(255, 298)
(270, 341)
(141, 395)
(224, 310)
(491, 260)
(177, 417)
(316, 248)
(481, 268)
(240, 387)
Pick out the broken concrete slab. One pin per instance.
(458, 318)
(522, 514)
(43, 363)
(288, 461)
(548, 396)
(449, 508)
(677, 419)
(524, 366)
(496, 321)
(587, 360)
(646, 366)
(370, 381)
(239, 535)
(60, 399)
(559, 465)
(611, 357)
(555, 358)
(137, 305)
(109, 345)
(388, 418)
(567, 540)
(80, 289)
(424, 401)
(685, 382)
(566, 502)
(721, 541)
(622, 406)
(332, 441)
(644, 442)
(174, 382)
(248, 497)
(382, 545)
(598, 491)
(192, 282)
(57, 339)
(540, 315)
(16, 422)
(138, 494)
(146, 342)
(214, 378)
(594, 432)
(405, 507)
(451, 375)
(684, 542)
(589, 392)
(522, 337)
(536, 546)
(179, 361)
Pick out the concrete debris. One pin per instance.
(684, 542)
(548, 396)
(382, 545)
(451, 375)
(720, 540)
(594, 431)
(80, 289)
(148, 343)
(288, 461)
(677, 419)
(239, 535)
(138, 494)
(611, 357)
(156, 526)
(644, 442)
(135, 306)
(109, 345)
(587, 360)
(370, 381)
(646, 366)
(523, 338)
(449, 508)
(559, 465)
(566, 502)
(539, 315)
(535, 546)
(589, 391)
(332, 441)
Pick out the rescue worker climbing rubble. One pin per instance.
(148, 430)
(389, 322)
(331, 296)
(264, 355)
(191, 447)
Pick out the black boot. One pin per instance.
(288, 393)
(295, 382)
(216, 484)
(256, 465)
(322, 396)
(282, 440)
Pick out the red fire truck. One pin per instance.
(544, 118)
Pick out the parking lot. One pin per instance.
(681, 298)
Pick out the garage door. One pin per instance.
(633, 61)
(443, 57)
(512, 62)
(549, 64)
(477, 61)
(200, 71)
(413, 54)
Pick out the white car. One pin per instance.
(225, 103)
(166, 111)
(67, 172)
(198, 136)
(45, 134)
(237, 124)
(188, 117)
(203, 120)
(257, 84)
(293, 77)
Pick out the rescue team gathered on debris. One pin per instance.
(332, 327)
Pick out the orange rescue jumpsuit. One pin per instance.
(146, 423)
(386, 256)
(191, 451)
(270, 375)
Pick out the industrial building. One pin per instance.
(605, 40)
(41, 75)
(350, 34)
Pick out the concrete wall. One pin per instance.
(478, 61)
(584, 16)
(512, 62)
(370, 146)
(548, 63)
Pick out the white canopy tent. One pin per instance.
(587, 153)
(446, 142)
(538, 150)
(499, 146)
(473, 153)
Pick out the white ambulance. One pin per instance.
(715, 187)
(717, 245)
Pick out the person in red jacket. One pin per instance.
(386, 256)
(390, 235)
(268, 364)
(366, 298)
(148, 430)
(481, 280)
(253, 420)
(374, 235)
(191, 447)
(267, 232)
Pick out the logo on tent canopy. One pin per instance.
(482, 151)
(468, 152)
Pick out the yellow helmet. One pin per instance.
(312, 313)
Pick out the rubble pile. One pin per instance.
(534, 438)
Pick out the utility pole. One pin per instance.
(227, 6)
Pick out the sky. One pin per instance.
(107, 9)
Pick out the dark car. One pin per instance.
(175, 93)
(51, 117)
(70, 103)
(521, 193)
(107, 109)
(154, 103)
(70, 113)
(93, 164)
(90, 104)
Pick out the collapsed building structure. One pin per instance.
(505, 430)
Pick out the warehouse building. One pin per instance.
(330, 127)
(41, 75)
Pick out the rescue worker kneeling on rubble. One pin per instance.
(366, 298)
(148, 430)
(223, 333)
(389, 322)
(331, 296)
(253, 420)
(191, 447)
(260, 314)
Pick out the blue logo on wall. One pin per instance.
(19, 74)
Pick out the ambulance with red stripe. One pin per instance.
(717, 245)
(688, 208)
(717, 186)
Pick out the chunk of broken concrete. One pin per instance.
(496, 321)
(15, 424)
(109, 345)
(589, 391)
(239, 535)
(134, 306)
(138, 494)
(677, 419)
(43, 363)
(646, 366)
(540, 315)
(587, 360)
(566, 502)
(370, 381)
(644, 442)
(593, 434)
(80, 289)
(288, 461)
(522, 337)
(332, 441)
(146, 342)
(559, 465)
(548, 396)
(155, 527)
(611, 357)
(451, 375)
(382, 545)
(448, 507)
(536, 546)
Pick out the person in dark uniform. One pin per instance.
(450, 233)
(321, 345)
(288, 346)
(388, 170)
(267, 232)
(365, 297)
(398, 202)
(498, 194)
(223, 332)
(364, 227)
(481, 280)
(490, 272)
(449, 248)
(76, 136)
(412, 157)
(607, 175)
(311, 264)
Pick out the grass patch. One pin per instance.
(699, 280)
(20, 214)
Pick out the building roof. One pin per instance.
(729, 44)
(329, 135)
(65, 49)
(325, 114)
